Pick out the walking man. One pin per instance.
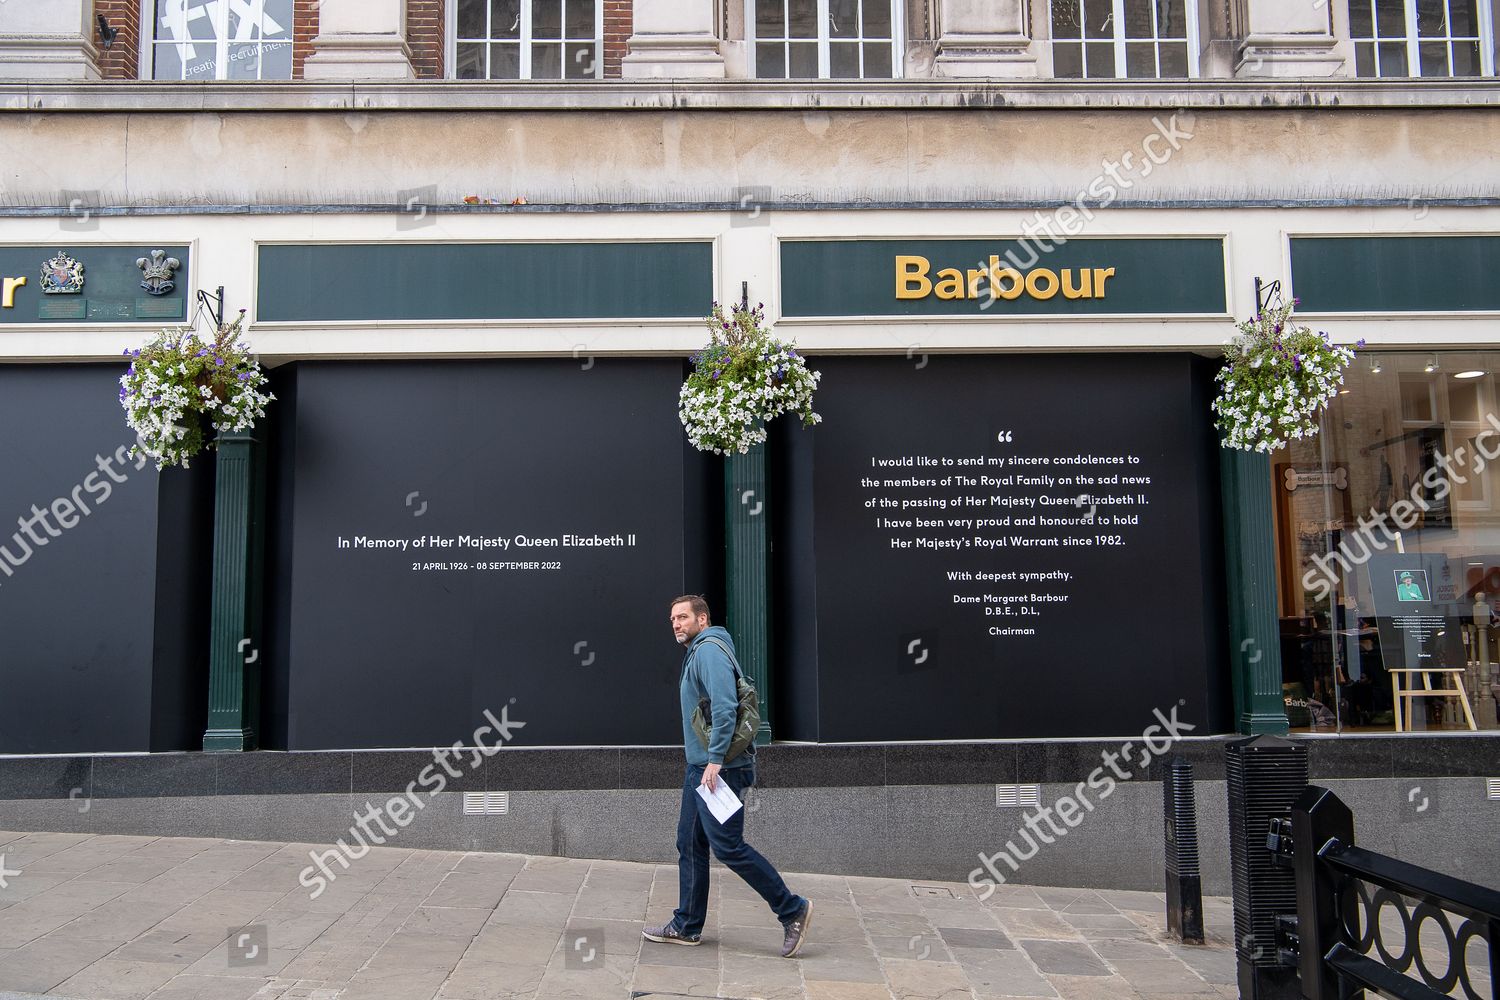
(708, 672)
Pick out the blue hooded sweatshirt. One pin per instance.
(708, 673)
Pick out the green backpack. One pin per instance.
(746, 716)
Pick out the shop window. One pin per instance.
(528, 39)
(1421, 38)
(1116, 39)
(823, 39)
(1388, 550)
(195, 40)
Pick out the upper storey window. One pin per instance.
(197, 40)
(823, 39)
(1420, 37)
(528, 40)
(1118, 39)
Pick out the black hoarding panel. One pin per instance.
(1010, 546)
(463, 537)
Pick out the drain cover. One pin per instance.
(940, 891)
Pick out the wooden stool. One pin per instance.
(1410, 694)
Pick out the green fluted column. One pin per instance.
(234, 641)
(1250, 562)
(747, 515)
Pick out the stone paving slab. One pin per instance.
(146, 918)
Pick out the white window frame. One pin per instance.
(898, 24)
(1117, 20)
(1414, 42)
(450, 43)
(146, 64)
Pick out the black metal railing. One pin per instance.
(1339, 937)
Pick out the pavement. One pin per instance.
(103, 917)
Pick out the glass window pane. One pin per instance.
(1171, 19)
(1390, 18)
(1140, 59)
(770, 61)
(546, 19)
(1432, 18)
(1416, 399)
(505, 62)
(843, 60)
(1065, 23)
(505, 18)
(1360, 19)
(1392, 59)
(546, 62)
(1098, 19)
(470, 61)
(1174, 60)
(1099, 59)
(1463, 400)
(1138, 20)
(1067, 60)
(877, 19)
(168, 65)
(1465, 58)
(580, 19)
(1364, 59)
(244, 62)
(276, 60)
(470, 18)
(803, 60)
(1434, 58)
(843, 19)
(271, 19)
(580, 60)
(878, 61)
(804, 20)
(770, 19)
(1463, 19)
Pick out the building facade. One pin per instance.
(476, 243)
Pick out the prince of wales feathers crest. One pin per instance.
(158, 272)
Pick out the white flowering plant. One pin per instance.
(742, 379)
(176, 380)
(1277, 378)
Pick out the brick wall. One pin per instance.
(617, 28)
(122, 61)
(304, 29)
(425, 24)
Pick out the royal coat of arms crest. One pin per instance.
(158, 272)
(62, 275)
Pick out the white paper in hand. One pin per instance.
(722, 802)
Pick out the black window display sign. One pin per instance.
(1418, 611)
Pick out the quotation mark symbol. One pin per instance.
(1246, 644)
(911, 648)
(745, 501)
(579, 647)
(910, 351)
(413, 496)
(87, 802)
(253, 656)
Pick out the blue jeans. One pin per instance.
(697, 831)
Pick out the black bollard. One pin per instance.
(1184, 881)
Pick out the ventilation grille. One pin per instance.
(1493, 784)
(1018, 796)
(1181, 819)
(486, 803)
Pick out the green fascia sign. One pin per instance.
(85, 283)
(352, 282)
(1396, 274)
(1003, 277)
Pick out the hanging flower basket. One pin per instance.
(743, 379)
(177, 382)
(1276, 380)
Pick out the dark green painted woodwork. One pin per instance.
(478, 281)
(1376, 274)
(858, 277)
(112, 291)
(747, 514)
(234, 641)
(1250, 563)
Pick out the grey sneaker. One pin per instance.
(669, 934)
(796, 931)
